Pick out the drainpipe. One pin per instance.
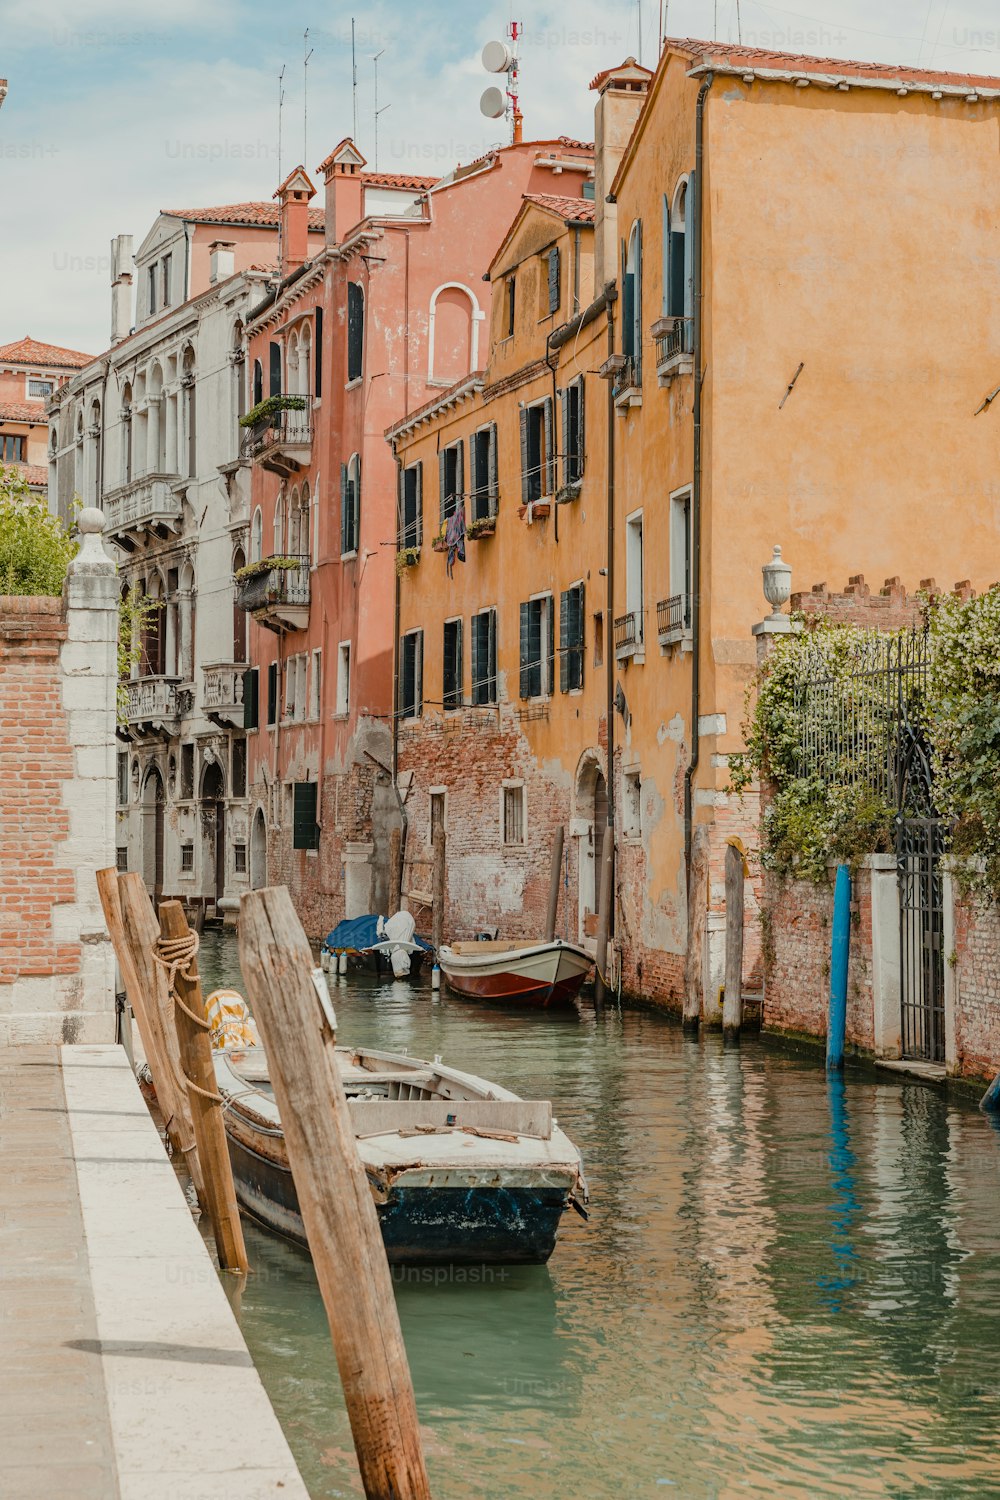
(393, 707)
(556, 427)
(696, 487)
(576, 270)
(608, 873)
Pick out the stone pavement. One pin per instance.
(124, 1374)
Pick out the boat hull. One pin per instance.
(548, 975)
(420, 1224)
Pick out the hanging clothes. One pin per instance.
(455, 536)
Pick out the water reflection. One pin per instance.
(790, 1286)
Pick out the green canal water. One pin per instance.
(788, 1286)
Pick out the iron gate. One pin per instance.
(919, 848)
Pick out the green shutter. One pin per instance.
(554, 279)
(272, 692)
(305, 831)
(550, 644)
(581, 442)
(549, 474)
(525, 480)
(525, 686)
(491, 459)
(565, 644)
(250, 708)
(474, 656)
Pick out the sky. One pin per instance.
(117, 110)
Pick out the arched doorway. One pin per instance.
(592, 812)
(153, 808)
(213, 824)
(258, 852)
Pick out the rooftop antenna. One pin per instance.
(305, 94)
(715, 20)
(663, 24)
(739, 28)
(281, 105)
(638, 12)
(501, 57)
(377, 110)
(354, 83)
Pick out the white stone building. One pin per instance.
(149, 432)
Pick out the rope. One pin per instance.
(176, 956)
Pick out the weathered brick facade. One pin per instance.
(973, 978)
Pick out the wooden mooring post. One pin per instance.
(133, 928)
(732, 1005)
(395, 871)
(697, 913)
(602, 985)
(292, 1007)
(555, 880)
(195, 1048)
(439, 888)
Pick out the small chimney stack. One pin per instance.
(621, 93)
(221, 260)
(121, 287)
(293, 200)
(344, 204)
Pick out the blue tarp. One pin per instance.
(358, 933)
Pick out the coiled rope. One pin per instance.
(176, 956)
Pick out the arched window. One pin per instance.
(292, 364)
(257, 536)
(678, 279)
(238, 360)
(279, 524)
(189, 386)
(632, 296)
(452, 333)
(355, 330)
(126, 446)
(153, 630)
(258, 382)
(350, 504)
(186, 625)
(239, 615)
(156, 427)
(94, 465)
(305, 361)
(305, 517)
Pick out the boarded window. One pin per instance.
(272, 693)
(187, 771)
(513, 814)
(305, 830)
(239, 768)
(355, 330)
(411, 674)
(484, 656)
(571, 639)
(537, 647)
(452, 664)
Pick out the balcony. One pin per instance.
(152, 705)
(674, 339)
(276, 592)
(628, 636)
(222, 693)
(673, 619)
(281, 439)
(626, 389)
(145, 504)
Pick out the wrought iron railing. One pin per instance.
(673, 615)
(277, 585)
(627, 378)
(288, 427)
(674, 341)
(628, 631)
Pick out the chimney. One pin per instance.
(221, 260)
(342, 175)
(621, 93)
(293, 200)
(121, 287)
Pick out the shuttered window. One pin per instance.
(553, 268)
(350, 505)
(511, 305)
(272, 693)
(537, 647)
(538, 464)
(573, 432)
(251, 707)
(571, 643)
(411, 671)
(305, 829)
(450, 478)
(484, 656)
(483, 489)
(258, 383)
(411, 506)
(318, 354)
(355, 330)
(274, 370)
(452, 665)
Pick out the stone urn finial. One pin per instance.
(777, 583)
(92, 557)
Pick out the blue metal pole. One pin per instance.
(840, 952)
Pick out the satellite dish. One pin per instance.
(493, 104)
(497, 57)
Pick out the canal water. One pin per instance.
(788, 1286)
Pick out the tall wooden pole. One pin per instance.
(555, 880)
(601, 985)
(334, 1196)
(440, 887)
(395, 871)
(206, 1105)
(732, 1006)
(697, 903)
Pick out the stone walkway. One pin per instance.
(124, 1373)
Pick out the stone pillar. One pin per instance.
(153, 436)
(171, 438)
(185, 653)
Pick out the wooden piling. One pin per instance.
(555, 880)
(195, 1048)
(395, 871)
(601, 984)
(439, 888)
(132, 944)
(335, 1199)
(697, 911)
(732, 1007)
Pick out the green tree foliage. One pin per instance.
(35, 547)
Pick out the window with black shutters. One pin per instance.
(484, 656)
(251, 706)
(123, 779)
(272, 693)
(553, 265)
(573, 437)
(305, 829)
(274, 370)
(450, 479)
(511, 305)
(355, 330)
(411, 671)
(410, 506)
(571, 639)
(537, 452)
(452, 664)
(187, 771)
(258, 382)
(483, 487)
(239, 768)
(537, 647)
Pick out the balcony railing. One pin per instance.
(628, 634)
(150, 699)
(673, 618)
(277, 596)
(626, 381)
(281, 440)
(223, 687)
(145, 503)
(674, 338)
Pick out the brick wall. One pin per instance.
(58, 673)
(974, 982)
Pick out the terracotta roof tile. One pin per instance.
(253, 215)
(37, 475)
(572, 209)
(398, 180)
(762, 57)
(29, 351)
(22, 411)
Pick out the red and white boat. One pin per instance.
(524, 973)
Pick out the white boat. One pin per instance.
(525, 973)
(461, 1170)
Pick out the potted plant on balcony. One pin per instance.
(440, 542)
(483, 526)
(262, 414)
(407, 557)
